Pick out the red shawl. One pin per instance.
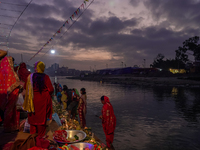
(23, 72)
(109, 119)
(8, 80)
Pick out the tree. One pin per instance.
(166, 64)
(189, 45)
(181, 54)
(158, 60)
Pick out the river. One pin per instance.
(148, 118)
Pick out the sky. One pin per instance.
(108, 33)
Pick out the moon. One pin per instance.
(52, 51)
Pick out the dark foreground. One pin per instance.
(12, 137)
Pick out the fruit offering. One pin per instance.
(60, 136)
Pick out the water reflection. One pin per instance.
(187, 102)
(148, 118)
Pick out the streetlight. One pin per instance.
(144, 62)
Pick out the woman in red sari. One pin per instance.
(2, 55)
(9, 90)
(108, 120)
(82, 108)
(23, 72)
(38, 100)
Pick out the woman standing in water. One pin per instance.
(108, 120)
(82, 108)
(38, 99)
(9, 91)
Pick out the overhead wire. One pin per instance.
(17, 20)
(7, 16)
(12, 4)
(9, 10)
(5, 24)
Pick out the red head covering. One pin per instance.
(23, 72)
(106, 99)
(8, 79)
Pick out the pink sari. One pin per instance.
(9, 83)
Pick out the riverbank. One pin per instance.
(145, 81)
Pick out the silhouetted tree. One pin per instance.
(189, 45)
(166, 64)
(158, 60)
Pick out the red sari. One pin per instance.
(9, 90)
(82, 111)
(108, 121)
(42, 104)
(23, 72)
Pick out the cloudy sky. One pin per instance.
(109, 31)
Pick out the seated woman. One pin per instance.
(38, 100)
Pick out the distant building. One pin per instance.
(55, 66)
(54, 70)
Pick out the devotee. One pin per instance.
(2, 55)
(9, 91)
(23, 72)
(55, 88)
(82, 108)
(73, 104)
(59, 95)
(38, 102)
(59, 86)
(64, 97)
(75, 98)
(108, 120)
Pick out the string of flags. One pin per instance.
(69, 21)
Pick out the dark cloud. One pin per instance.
(181, 13)
(128, 39)
(134, 3)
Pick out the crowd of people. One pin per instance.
(73, 102)
(37, 91)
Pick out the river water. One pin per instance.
(148, 118)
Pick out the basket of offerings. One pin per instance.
(69, 136)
